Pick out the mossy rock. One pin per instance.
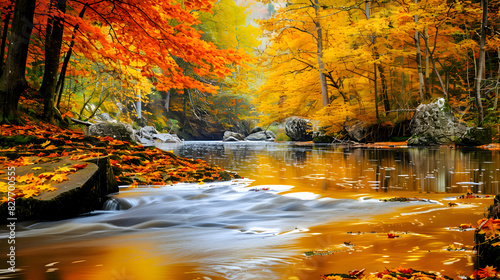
(85, 191)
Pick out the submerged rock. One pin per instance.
(299, 129)
(434, 123)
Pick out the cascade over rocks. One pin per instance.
(434, 123)
(299, 129)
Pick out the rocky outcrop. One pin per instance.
(148, 135)
(116, 130)
(434, 123)
(85, 191)
(256, 129)
(357, 130)
(230, 136)
(261, 136)
(299, 129)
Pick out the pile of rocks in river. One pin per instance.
(257, 134)
(147, 135)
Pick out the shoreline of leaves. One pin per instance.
(132, 164)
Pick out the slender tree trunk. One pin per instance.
(138, 106)
(4, 38)
(497, 86)
(479, 73)
(383, 81)
(62, 75)
(321, 65)
(167, 101)
(55, 29)
(13, 81)
(427, 65)
(375, 85)
(419, 61)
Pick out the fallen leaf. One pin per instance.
(59, 178)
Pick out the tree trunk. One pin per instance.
(321, 65)
(138, 106)
(4, 39)
(383, 81)
(62, 75)
(13, 81)
(167, 101)
(419, 61)
(53, 44)
(479, 73)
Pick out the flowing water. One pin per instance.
(301, 211)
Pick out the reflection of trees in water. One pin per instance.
(434, 169)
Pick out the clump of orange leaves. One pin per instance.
(132, 164)
(399, 273)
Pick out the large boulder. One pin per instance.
(148, 135)
(475, 136)
(232, 136)
(299, 129)
(116, 130)
(357, 130)
(434, 123)
(256, 129)
(261, 136)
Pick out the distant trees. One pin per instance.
(381, 59)
(142, 44)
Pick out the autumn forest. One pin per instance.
(213, 66)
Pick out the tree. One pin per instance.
(53, 42)
(13, 81)
(481, 62)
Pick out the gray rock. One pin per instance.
(261, 136)
(357, 130)
(475, 136)
(256, 129)
(434, 123)
(148, 135)
(298, 129)
(118, 130)
(106, 117)
(229, 135)
(147, 132)
(167, 138)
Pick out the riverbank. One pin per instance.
(34, 145)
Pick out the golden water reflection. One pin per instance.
(126, 248)
(433, 169)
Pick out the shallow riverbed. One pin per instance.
(300, 212)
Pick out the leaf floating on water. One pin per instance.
(392, 235)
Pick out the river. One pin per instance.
(300, 211)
